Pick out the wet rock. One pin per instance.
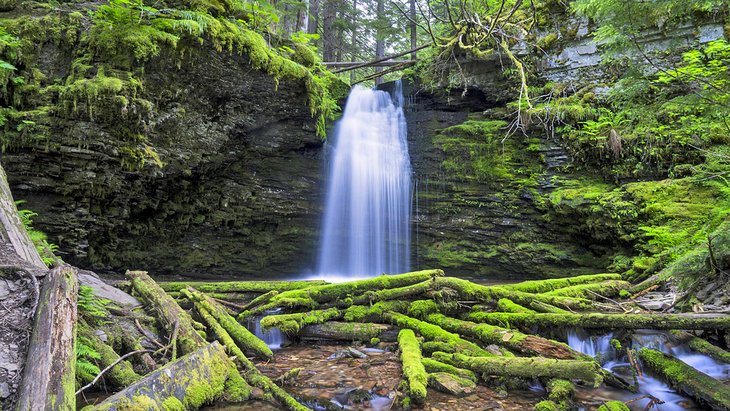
(106, 291)
(347, 353)
(450, 384)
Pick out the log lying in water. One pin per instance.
(49, 376)
(243, 337)
(703, 346)
(239, 286)
(527, 367)
(597, 320)
(121, 374)
(192, 381)
(688, 380)
(167, 311)
(545, 286)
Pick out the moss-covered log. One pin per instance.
(120, 375)
(49, 376)
(527, 367)
(167, 312)
(593, 291)
(492, 294)
(239, 286)
(552, 284)
(346, 331)
(342, 293)
(433, 366)
(613, 406)
(291, 324)
(260, 300)
(514, 340)
(541, 307)
(597, 320)
(413, 370)
(243, 337)
(251, 374)
(508, 306)
(200, 378)
(703, 346)
(684, 378)
(371, 297)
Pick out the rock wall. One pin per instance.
(239, 193)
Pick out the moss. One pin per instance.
(608, 289)
(547, 405)
(433, 346)
(435, 333)
(560, 390)
(544, 286)
(413, 368)
(616, 344)
(374, 341)
(506, 305)
(172, 404)
(122, 374)
(237, 389)
(613, 406)
(239, 286)
(433, 366)
(290, 324)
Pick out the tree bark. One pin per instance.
(379, 38)
(527, 367)
(313, 20)
(595, 320)
(593, 291)
(167, 311)
(688, 380)
(49, 377)
(11, 228)
(200, 377)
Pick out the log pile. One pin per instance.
(451, 333)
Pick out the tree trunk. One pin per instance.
(200, 377)
(413, 27)
(329, 33)
(531, 367)
(552, 284)
(702, 346)
(379, 39)
(167, 312)
(243, 337)
(682, 377)
(595, 320)
(12, 231)
(343, 331)
(593, 291)
(239, 286)
(313, 19)
(50, 374)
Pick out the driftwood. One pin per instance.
(50, 375)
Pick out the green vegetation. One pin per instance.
(413, 368)
(45, 249)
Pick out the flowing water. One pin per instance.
(366, 228)
(599, 346)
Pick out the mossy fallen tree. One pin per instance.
(702, 346)
(344, 331)
(686, 379)
(413, 369)
(173, 319)
(201, 377)
(239, 286)
(527, 367)
(545, 286)
(243, 337)
(121, 374)
(593, 291)
(606, 321)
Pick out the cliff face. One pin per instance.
(227, 180)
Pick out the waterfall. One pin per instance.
(366, 228)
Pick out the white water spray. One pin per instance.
(366, 230)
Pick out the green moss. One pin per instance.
(547, 405)
(239, 286)
(374, 341)
(433, 346)
(290, 324)
(560, 390)
(544, 286)
(172, 404)
(613, 406)
(616, 344)
(413, 368)
(433, 366)
(609, 289)
(506, 305)
(237, 389)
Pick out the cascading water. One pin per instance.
(600, 347)
(366, 228)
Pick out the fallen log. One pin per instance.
(552, 284)
(684, 378)
(239, 286)
(251, 375)
(371, 297)
(243, 337)
(344, 331)
(341, 293)
(527, 344)
(291, 324)
(508, 306)
(413, 369)
(547, 308)
(608, 289)
(527, 367)
(702, 346)
(613, 406)
(433, 366)
(200, 377)
(120, 375)
(262, 299)
(49, 376)
(492, 294)
(606, 321)
(168, 312)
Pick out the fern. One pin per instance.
(91, 307)
(86, 355)
(45, 249)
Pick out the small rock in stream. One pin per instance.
(347, 353)
(450, 384)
